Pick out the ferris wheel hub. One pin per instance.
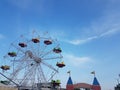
(32, 56)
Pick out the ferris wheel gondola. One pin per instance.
(21, 44)
(5, 67)
(47, 42)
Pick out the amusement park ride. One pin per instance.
(32, 62)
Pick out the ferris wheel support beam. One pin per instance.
(18, 68)
(28, 76)
(41, 76)
(9, 79)
(52, 76)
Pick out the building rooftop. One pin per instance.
(95, 81)
(69, 81)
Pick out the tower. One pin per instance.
(69, 85)
(96, 85)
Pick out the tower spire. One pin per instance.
(95, 85)
(69, 85)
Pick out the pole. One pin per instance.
(69, 72)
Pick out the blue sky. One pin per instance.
(88, 32)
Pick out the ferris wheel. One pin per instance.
(33, 59)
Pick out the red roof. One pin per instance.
(82, 85)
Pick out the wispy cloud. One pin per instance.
(82, 41)
(76, 60)
(1, 36)
(108, 26)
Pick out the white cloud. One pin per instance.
(75, 60)
(113, 30)
(106, 26)
(82, 41)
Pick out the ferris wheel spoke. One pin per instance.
(18, 69)
(18, 48)
(50, 66)
(21, 59)
(15, 72)
(49, 52)
(45, 54)
(42, 51)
